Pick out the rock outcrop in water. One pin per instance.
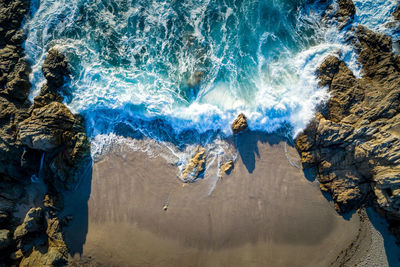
(343, 14)
(239, 124)
(44, 141)
(54, 69)
(353, 143)
(396, 13)
(346, 12)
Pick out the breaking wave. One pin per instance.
(181, 71)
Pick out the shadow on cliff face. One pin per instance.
(311, 175)
(246, 144)
(76, 205)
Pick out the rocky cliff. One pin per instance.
(42, 141)
(353, 143)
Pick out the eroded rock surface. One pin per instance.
(226, 168)
(48, 127)
(239, 124)
(55, 69)
(40, 240)
(196, 166)
(32, 223)
(353, 144)
(14, 70)
(343, 13)
(44, 141)
(346, 12)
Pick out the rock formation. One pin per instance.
(341, 14)
(40, 241)
(396, 13)
(345, 13)
(14, 70)
(239, 124)
(195, 79)
(196, 165)
(227, 167)
(44, 141)
(353, 143)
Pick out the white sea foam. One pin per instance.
(375, 14)
(131, 62)
(217, 152)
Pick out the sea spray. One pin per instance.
(141, 59)
(162, 76)
(218, 151)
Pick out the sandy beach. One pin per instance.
(134, 133)
(264, 213)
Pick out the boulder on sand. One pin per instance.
(196, 165)
(227, 167)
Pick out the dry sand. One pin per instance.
(265, 213)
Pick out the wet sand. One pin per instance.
(265, 213)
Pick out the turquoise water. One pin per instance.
(174, 70)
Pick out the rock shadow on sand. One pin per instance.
(246, 144)
(76, 205)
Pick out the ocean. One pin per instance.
(180, 71)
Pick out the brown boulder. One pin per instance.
(239, 124)
(54, 69)
(52, 257)
(342, 85)
(346, 11)
(226, 168)
(196, 165)
(54, 253)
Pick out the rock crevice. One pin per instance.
(353, 143)
(43, 140)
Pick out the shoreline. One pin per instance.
(255, 212)
(134, 209)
